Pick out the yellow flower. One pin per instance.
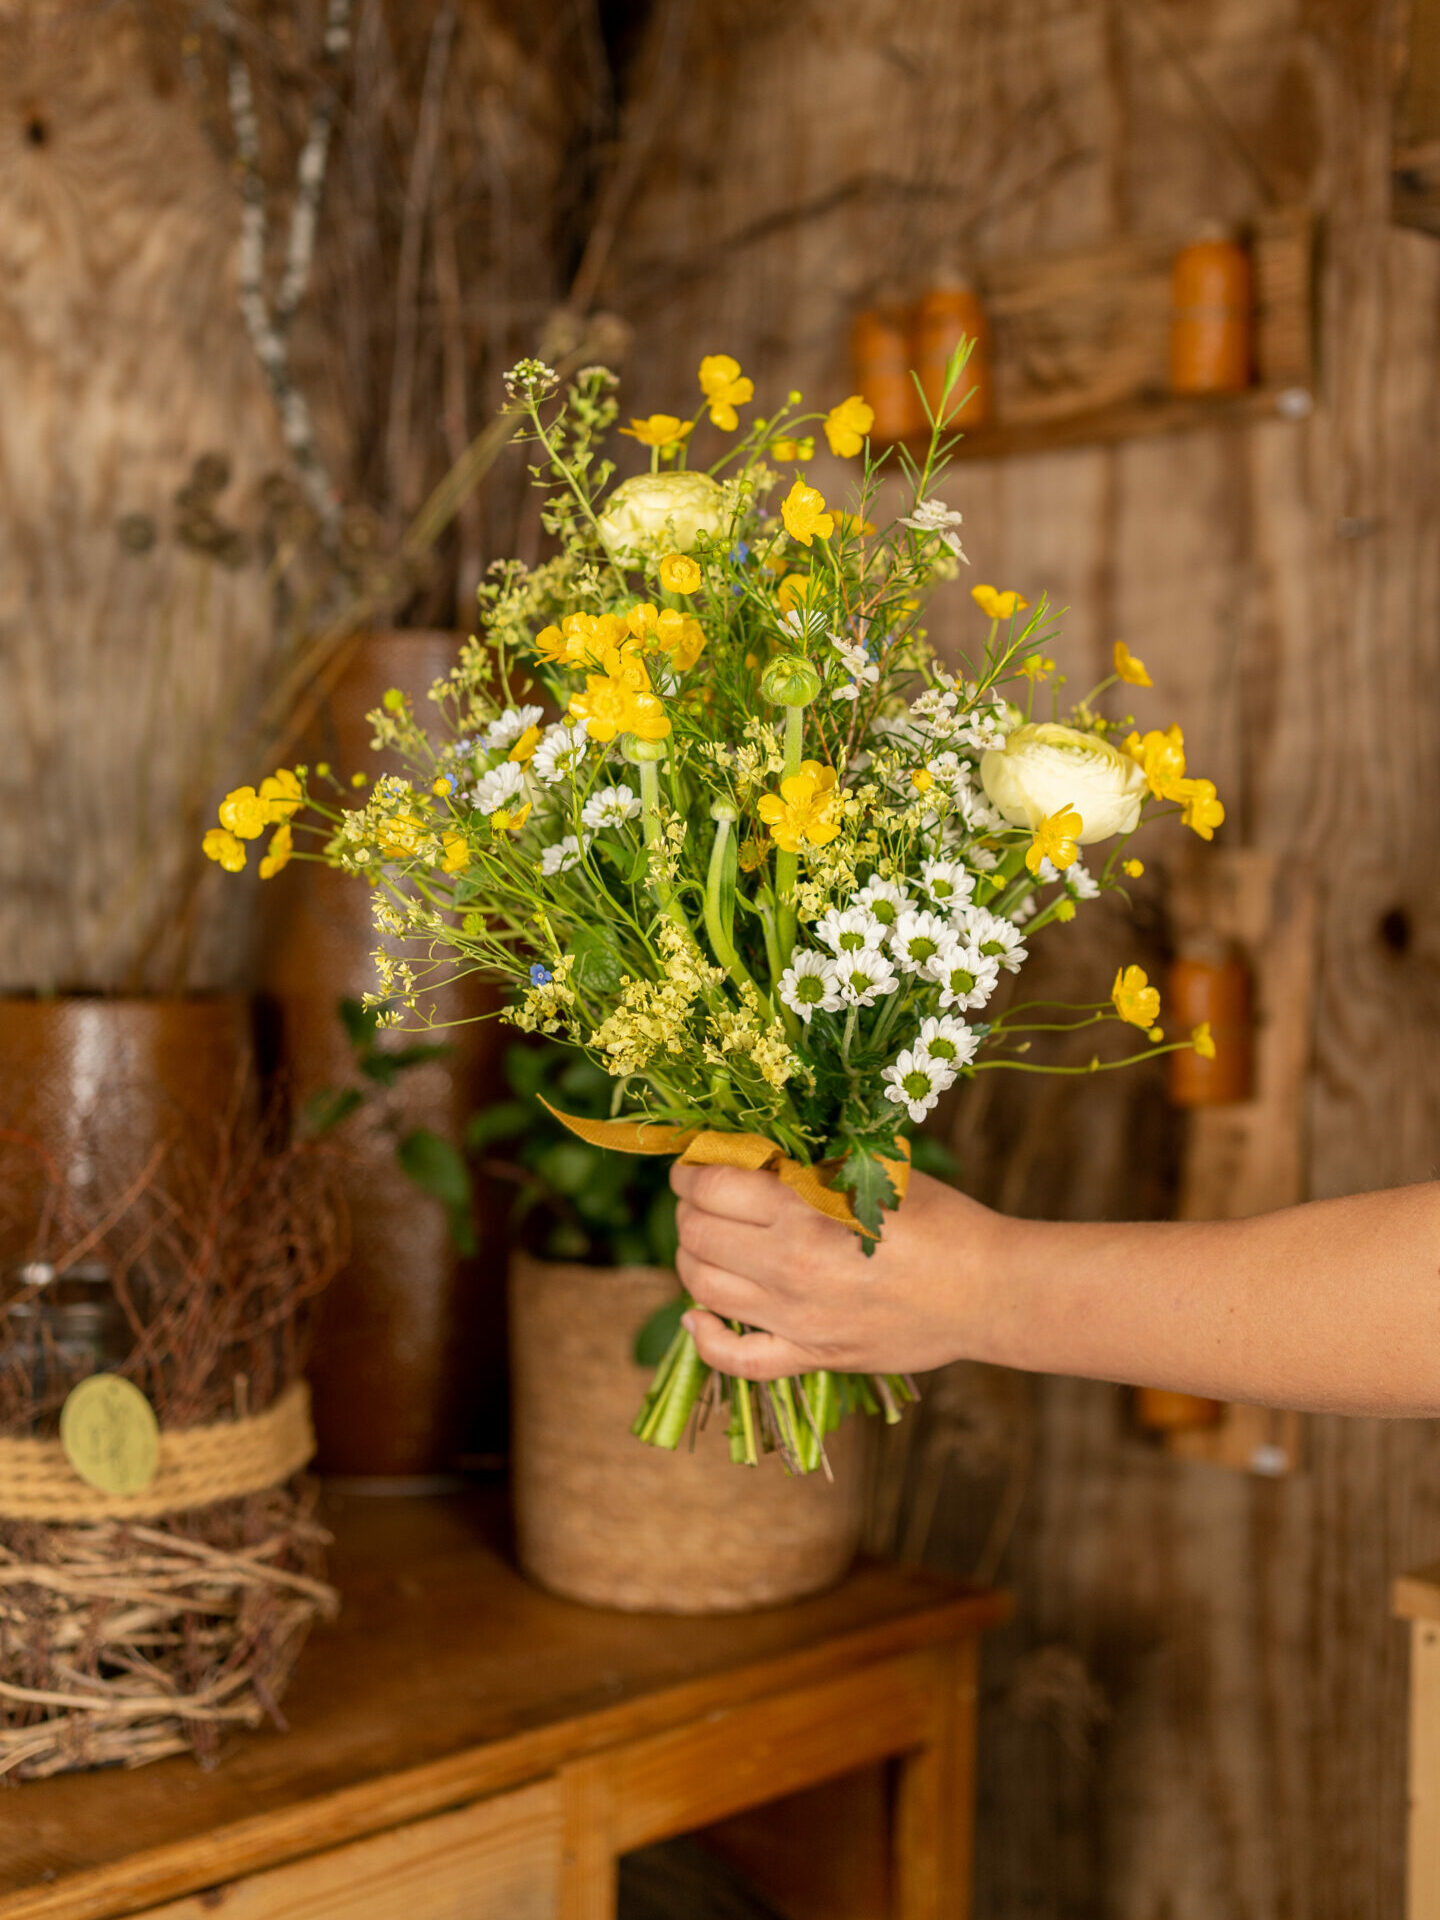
(279, 852)
(659, 430)
(220, 844)
(922, 780)
(1134, 997)
(1203, 1041)
(803, 511)
(359, 779)
(580, 639)
(784, 449)
(801, 812)
(457, 853)
(244, 813)
(620, 701)
(679, 573)
(1162, 755)
(524, 748)
(847, 425)
(1036, 667)
(1201, 811)
(794, 591)
(282, 793)
(506, 820)
(996, 605)
(1129, 668)
(1056, 840)
(852, 523)
(753, 855)
(399, 835)
(676, 634)
(1133, 867)
(725, 388)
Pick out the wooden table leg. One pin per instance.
(935, 1800)
(588, 1862)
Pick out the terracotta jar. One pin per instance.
(880, 352)
(408, 1367)
(949, 312)
(600, 1517)
(1211, 982)
(1211, 320)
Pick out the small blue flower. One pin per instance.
(540, 976)
(740, 553)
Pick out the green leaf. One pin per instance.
(863, 1176)
(326, 1108)
(598, 966)
(436, 1168)
(652, 1342)
(504, 1121)
(525, 1069)
(362, 1023)
(569, 1166)
(403, 1058)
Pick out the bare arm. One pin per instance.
(1333, 1306)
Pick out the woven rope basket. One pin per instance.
(601, 1518)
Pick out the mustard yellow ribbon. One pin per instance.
(695, 1147)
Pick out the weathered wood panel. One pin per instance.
(1281, 582)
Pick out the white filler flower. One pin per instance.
(996, 938)
(934, 517)
(948, 883)
(915, 1083)
(809, 982)
(610, 807)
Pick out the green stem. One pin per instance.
(718, 923)
(787, 864)
(662, 1421)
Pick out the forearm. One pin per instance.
(1333, 1306)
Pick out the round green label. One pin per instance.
(110, 1434)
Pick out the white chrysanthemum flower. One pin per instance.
(809, 982)
(1024, 910)
(948, 1041)
(560, 752)
(934, 517)
(863, 671)
(865, 976)
(1080, 883)
(850, 930)
(915, 1083)
(916, 938)
(996, 937)
(948, 884)
(983, 859)
(883, 899)
(965, 976)
(609, 807)
(497, 789)
(505, 731)
(560, 857)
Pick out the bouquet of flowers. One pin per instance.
(702, 794)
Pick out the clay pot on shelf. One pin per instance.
(601, 1518)
(408, 1367)
(1212, 316)
(946, 313)
(880, 353)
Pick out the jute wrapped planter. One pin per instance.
(601, 1518)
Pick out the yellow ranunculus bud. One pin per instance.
(657, 513)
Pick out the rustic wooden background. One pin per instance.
(1200, 1710)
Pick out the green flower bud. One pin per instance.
(724, 810)
(790, 681)
(637, 750)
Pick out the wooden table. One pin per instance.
(466, 1747)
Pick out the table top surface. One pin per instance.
(447, 1675)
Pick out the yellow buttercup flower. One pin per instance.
(1203, 1041)
(785, 449)
(847, 425)
(659, 430)
(506, 820)
(794, 591)
(244, 813)
(1162, 755)
(725, 388)
(677, 635)
(851, 522)
(620, 701)
(279, 852)
(1129, 668)
(803, 511)
(1134, 998)
(996, 605)
(282, 793)
(1036, 667)
(922, 780)
(220, 844)
(581, 638)
(800, 813)
(1200, 809)
(679, 573)
(1133, 867)
(524, 748)
(1056, 840)
(457, 853)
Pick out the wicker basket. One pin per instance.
(603, 1519)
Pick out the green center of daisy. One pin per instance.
(916, 1084)
(960, 982)
(993, 949)
(942, 889)
(921, 948)
(884, 912)
(810, 988)
(941, 1049)
(852, 942)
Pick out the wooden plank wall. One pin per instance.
(1281, 581)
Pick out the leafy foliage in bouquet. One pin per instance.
(701, 792)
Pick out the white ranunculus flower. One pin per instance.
(1043, 768)
(660, 513)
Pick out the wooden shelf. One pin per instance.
(1081, 343)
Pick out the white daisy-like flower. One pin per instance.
(997, 938)
(948, 1041)
(983, 859)
(882, 898)
(948, 883)
(505, 731)
(850, 930)
(1047, 871)
(563, 855)
(1024, 910)
(865, 976)
(609, 807)
(965, 976)
(560, 752)
(800, 622)
(497, 789)
(915, 1083)
(863, 671)
(809, 982)
(934, 517)
(1080, 883)
(916, 938)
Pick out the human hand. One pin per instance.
(753, 1251)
